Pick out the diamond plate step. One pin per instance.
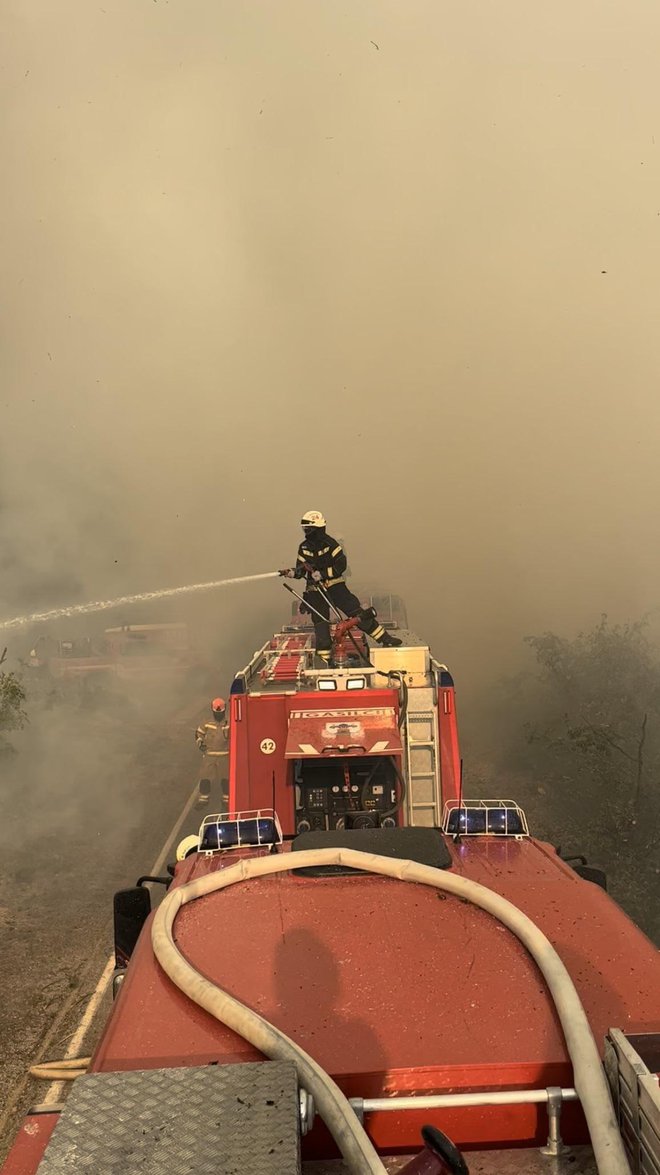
(215, 1120)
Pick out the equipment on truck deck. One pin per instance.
(390, 608)
(346, 642)
(366, 619)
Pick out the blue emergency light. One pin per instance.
(244, 830)
(484, 818)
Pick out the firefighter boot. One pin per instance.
(388, 641)
(203, 792)
(370, 624)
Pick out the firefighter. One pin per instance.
(321, 562)
(211, 738)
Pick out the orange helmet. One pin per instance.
(218, 707)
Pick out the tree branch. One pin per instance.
(640, 760)
(611, 742)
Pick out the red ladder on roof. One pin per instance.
(287, 665)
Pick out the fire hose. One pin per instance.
(337, 1113)
(65, 1070)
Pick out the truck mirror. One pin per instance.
(131, 908)
(590, 873)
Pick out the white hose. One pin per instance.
(359, 1154)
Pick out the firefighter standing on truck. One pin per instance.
(321, 562)
(211, 738)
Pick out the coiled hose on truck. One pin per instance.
(339, 1117)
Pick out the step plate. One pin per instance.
(215, 1120)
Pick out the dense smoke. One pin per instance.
(394, 263)
(397, 263)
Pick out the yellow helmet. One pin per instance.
(185, 847)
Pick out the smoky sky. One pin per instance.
(397, 262)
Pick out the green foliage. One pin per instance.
(578, 739)
(12, 714)
(596, 714)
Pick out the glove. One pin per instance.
(316, 576)
(286, 572)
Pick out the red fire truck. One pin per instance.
(359, 968)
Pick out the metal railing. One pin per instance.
(554, 1097)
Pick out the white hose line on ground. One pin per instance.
(64, 1070)
(589, 1077)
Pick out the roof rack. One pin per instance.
(257, 828)
(484, 818)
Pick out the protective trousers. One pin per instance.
(211, 740)
(342, 598)
(213, 775)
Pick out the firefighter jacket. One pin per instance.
(321, 553)
(211, 738)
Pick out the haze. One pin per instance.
(398, 262)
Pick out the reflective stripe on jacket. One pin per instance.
(324, 554)
(213, 737)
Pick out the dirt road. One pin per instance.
(87, 802)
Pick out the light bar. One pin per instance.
(327, 683)
(239, 830)
(355, 683)
(484, 818)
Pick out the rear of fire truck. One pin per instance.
(356, 746)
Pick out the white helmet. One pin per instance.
(312, 518)
(189, 844)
